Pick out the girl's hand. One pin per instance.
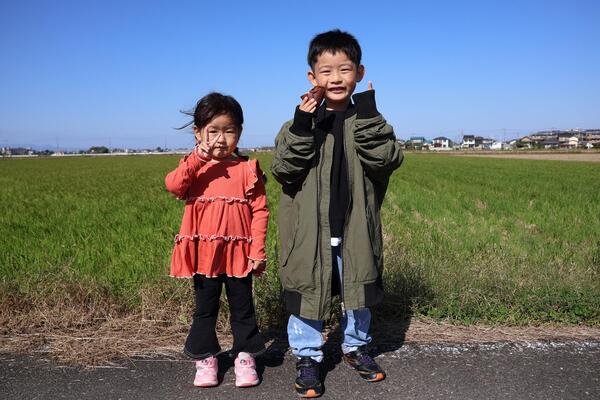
(207, 143)
(258, 267)
(308, 105)
(201, 153)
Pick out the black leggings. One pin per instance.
(202, 340)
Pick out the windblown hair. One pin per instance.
(213, 105)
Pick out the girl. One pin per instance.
(222, 237)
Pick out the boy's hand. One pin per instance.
(366, 106)
(308, 105)
(258, 267)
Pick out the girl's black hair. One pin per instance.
(213, 105)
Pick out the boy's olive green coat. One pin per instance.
(302, 164)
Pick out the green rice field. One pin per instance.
(470, 240)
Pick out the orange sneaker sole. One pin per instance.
(310, 393)
(378, 377)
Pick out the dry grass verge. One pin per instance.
(92, 341)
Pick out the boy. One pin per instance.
(333, 162)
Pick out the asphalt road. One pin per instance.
(538, 370)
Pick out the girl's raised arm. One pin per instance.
(179, 180)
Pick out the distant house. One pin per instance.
(498, 145)
(571, 143)
(486, 143)
(523, 143)
(563, 138)
(417, 139)
(468, 141)
(442, 143)
(472, 141)
(549, 143)
(591, 136)
(539, 137)
(525, 139)
(417, 142)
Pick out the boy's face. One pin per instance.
(338, 75)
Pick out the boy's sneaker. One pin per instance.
(206, 372)
(308, 381)
(362, 362)
(245, 371)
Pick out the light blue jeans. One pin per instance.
(304, 335)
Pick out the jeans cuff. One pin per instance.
(349, 349)
(316, 358)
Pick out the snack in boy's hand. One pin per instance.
(317, 93)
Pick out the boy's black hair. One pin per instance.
(333, 41)
(213, 105)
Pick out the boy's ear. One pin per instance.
(360, 73)
(311, 77)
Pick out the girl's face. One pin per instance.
(222, 131)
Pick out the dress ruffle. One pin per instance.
(256, 172)
(187, 253)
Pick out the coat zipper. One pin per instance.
(319, 244)
(345, 234)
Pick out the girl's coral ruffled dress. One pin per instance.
(224, 223)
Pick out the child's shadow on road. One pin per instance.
(271, 358)
(225, 361)
(390, 321)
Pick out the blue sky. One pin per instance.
(80, 73)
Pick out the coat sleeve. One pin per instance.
(179, 180)
(294, 150)
(374, 139)
(257, 199)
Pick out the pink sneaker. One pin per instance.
(206, 372)
(245, 371)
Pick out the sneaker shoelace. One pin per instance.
(366, 360)
(204, 365)
(308, 373)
